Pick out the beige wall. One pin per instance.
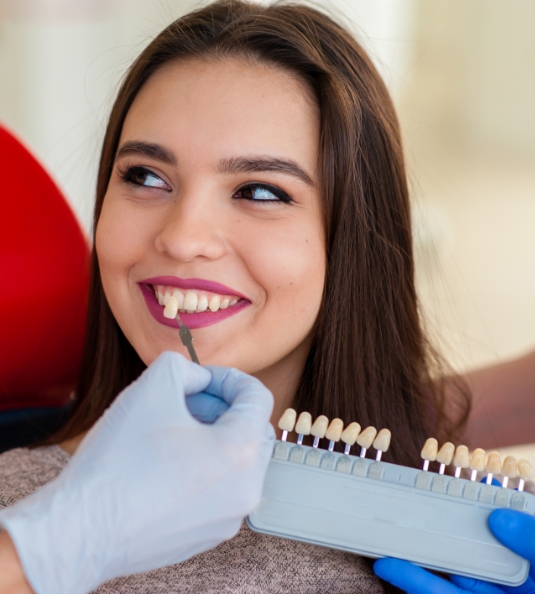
(469, 126)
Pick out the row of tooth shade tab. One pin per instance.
(335, 432)
(477, 461)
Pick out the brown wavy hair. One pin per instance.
(370, 360)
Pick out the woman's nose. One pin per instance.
(192, 229)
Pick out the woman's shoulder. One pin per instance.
(252, 563)
(23, 471)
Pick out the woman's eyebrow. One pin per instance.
(259, 164)
(147, 149)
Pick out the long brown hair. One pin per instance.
(370, 360)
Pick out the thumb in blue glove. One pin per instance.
(514, 529)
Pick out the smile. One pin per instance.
(199, 302)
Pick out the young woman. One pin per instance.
(252, 168)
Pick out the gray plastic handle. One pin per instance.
(377, 509)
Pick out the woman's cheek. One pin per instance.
(291, 268)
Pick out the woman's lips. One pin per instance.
(192, 320)
(197, 284)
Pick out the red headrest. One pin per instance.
(43, 284)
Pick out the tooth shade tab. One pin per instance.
(525, 470)
(366, 437)
(334, 430)
(287, 421)
(304, 424)
(461, 459)
(494, 463)
(445, 454)
(171, 308)
(510, 467)
(350, 434)
(382, 441)
(319, 428)
(430, 449)
(477, 460)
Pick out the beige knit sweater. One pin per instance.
(250, 563)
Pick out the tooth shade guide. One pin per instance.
(318, 429)
(509, 470)
(477, 462)
(526, 473)
(382, 443)
(334, 432)
(303, 426)
(287, 420)
(493, 466)
(365, 440)
(349, 436)
(461, 459)
(429, 452)
(171, 308)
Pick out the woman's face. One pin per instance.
(214, 197)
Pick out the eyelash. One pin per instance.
(281, 195)
(127, 174)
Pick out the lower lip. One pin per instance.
(192, 321)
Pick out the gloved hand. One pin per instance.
(514, 529)
(205, 407)
(149, 485)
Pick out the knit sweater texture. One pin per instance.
(249, 563)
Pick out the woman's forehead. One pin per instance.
(224, 108)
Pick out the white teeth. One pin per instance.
(203, 303)
(179, 296)
(171, 308)
(190, 301)
(215, 302)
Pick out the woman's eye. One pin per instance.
(262, 193)
(140, 176)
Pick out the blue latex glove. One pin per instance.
(149, 485)
(514, 529)
(205, 407)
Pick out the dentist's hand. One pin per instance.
(514, 529)
(149, 485)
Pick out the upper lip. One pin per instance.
(198, 284)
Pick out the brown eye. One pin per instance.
(262, 193)
(139, 176)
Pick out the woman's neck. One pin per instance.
(282, 379)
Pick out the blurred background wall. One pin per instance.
(462, 76)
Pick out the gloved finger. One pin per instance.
(248, 397)
(516, 530)
(206, 408)
(174, 371)
(411, 578)
(475, 586)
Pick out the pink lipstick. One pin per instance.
(192, 320)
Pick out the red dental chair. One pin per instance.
(44, 276)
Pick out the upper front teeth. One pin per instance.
(190, 302)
